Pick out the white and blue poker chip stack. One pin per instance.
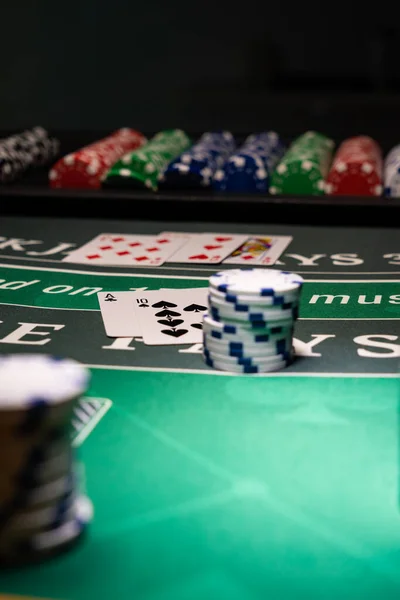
(195, 168)
(391, 173)
(250, 320)
(250, 168)
(42, 510)
(19, 152)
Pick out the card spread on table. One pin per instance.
(118, 312)
(207, 248)
(259, 250)
(121, 249)
(171, 316)
(117, 249)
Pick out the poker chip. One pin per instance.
(245, 336)
(38, 473)
(245, 306)
(278, 343)
(357, 169)
(258, 282)
(241, 299)
(22, 151)
(245, 369)
(86, 167)
(49, 540)
(219, 312)
(249, 169)
(70, 527)
(194, 168)
(40, 518)
(242, 349)
(143, 167)
(53, 467)
(230, 327)
(51, 491)
(41, 507)
(304, 167)
(243, 359)
(391, 172)
(256, 335)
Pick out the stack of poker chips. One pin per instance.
(42, 510)
(356, 169)
(86, 167)
(304, 167)
(250, 168)
(143, 167)
(250, 323)
(19, 152)
(195, 168)
(392, 173)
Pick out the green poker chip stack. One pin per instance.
(143, 166)
(304, 167)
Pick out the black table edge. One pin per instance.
(42, 201)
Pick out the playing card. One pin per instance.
(118, 312)
(181, 234)
(121, 249)
(171, 316)
(260, 250)
(208, 248)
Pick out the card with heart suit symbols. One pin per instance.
(171, 316)
(207, 248)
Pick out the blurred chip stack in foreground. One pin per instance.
(249, 328)
(42, 510)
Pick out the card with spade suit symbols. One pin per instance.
(118, 312)
(171, 316)
(207, 248)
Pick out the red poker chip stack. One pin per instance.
(357, 169)
(86, 167)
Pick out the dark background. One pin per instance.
(96, 65)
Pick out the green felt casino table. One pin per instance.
(208, 485)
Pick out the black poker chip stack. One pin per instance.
(43, 510)
(29, 149)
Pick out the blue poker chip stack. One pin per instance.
(250, 320)
(195, 168)
(42, 510)
(250, 168)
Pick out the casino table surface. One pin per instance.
(208, 485)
